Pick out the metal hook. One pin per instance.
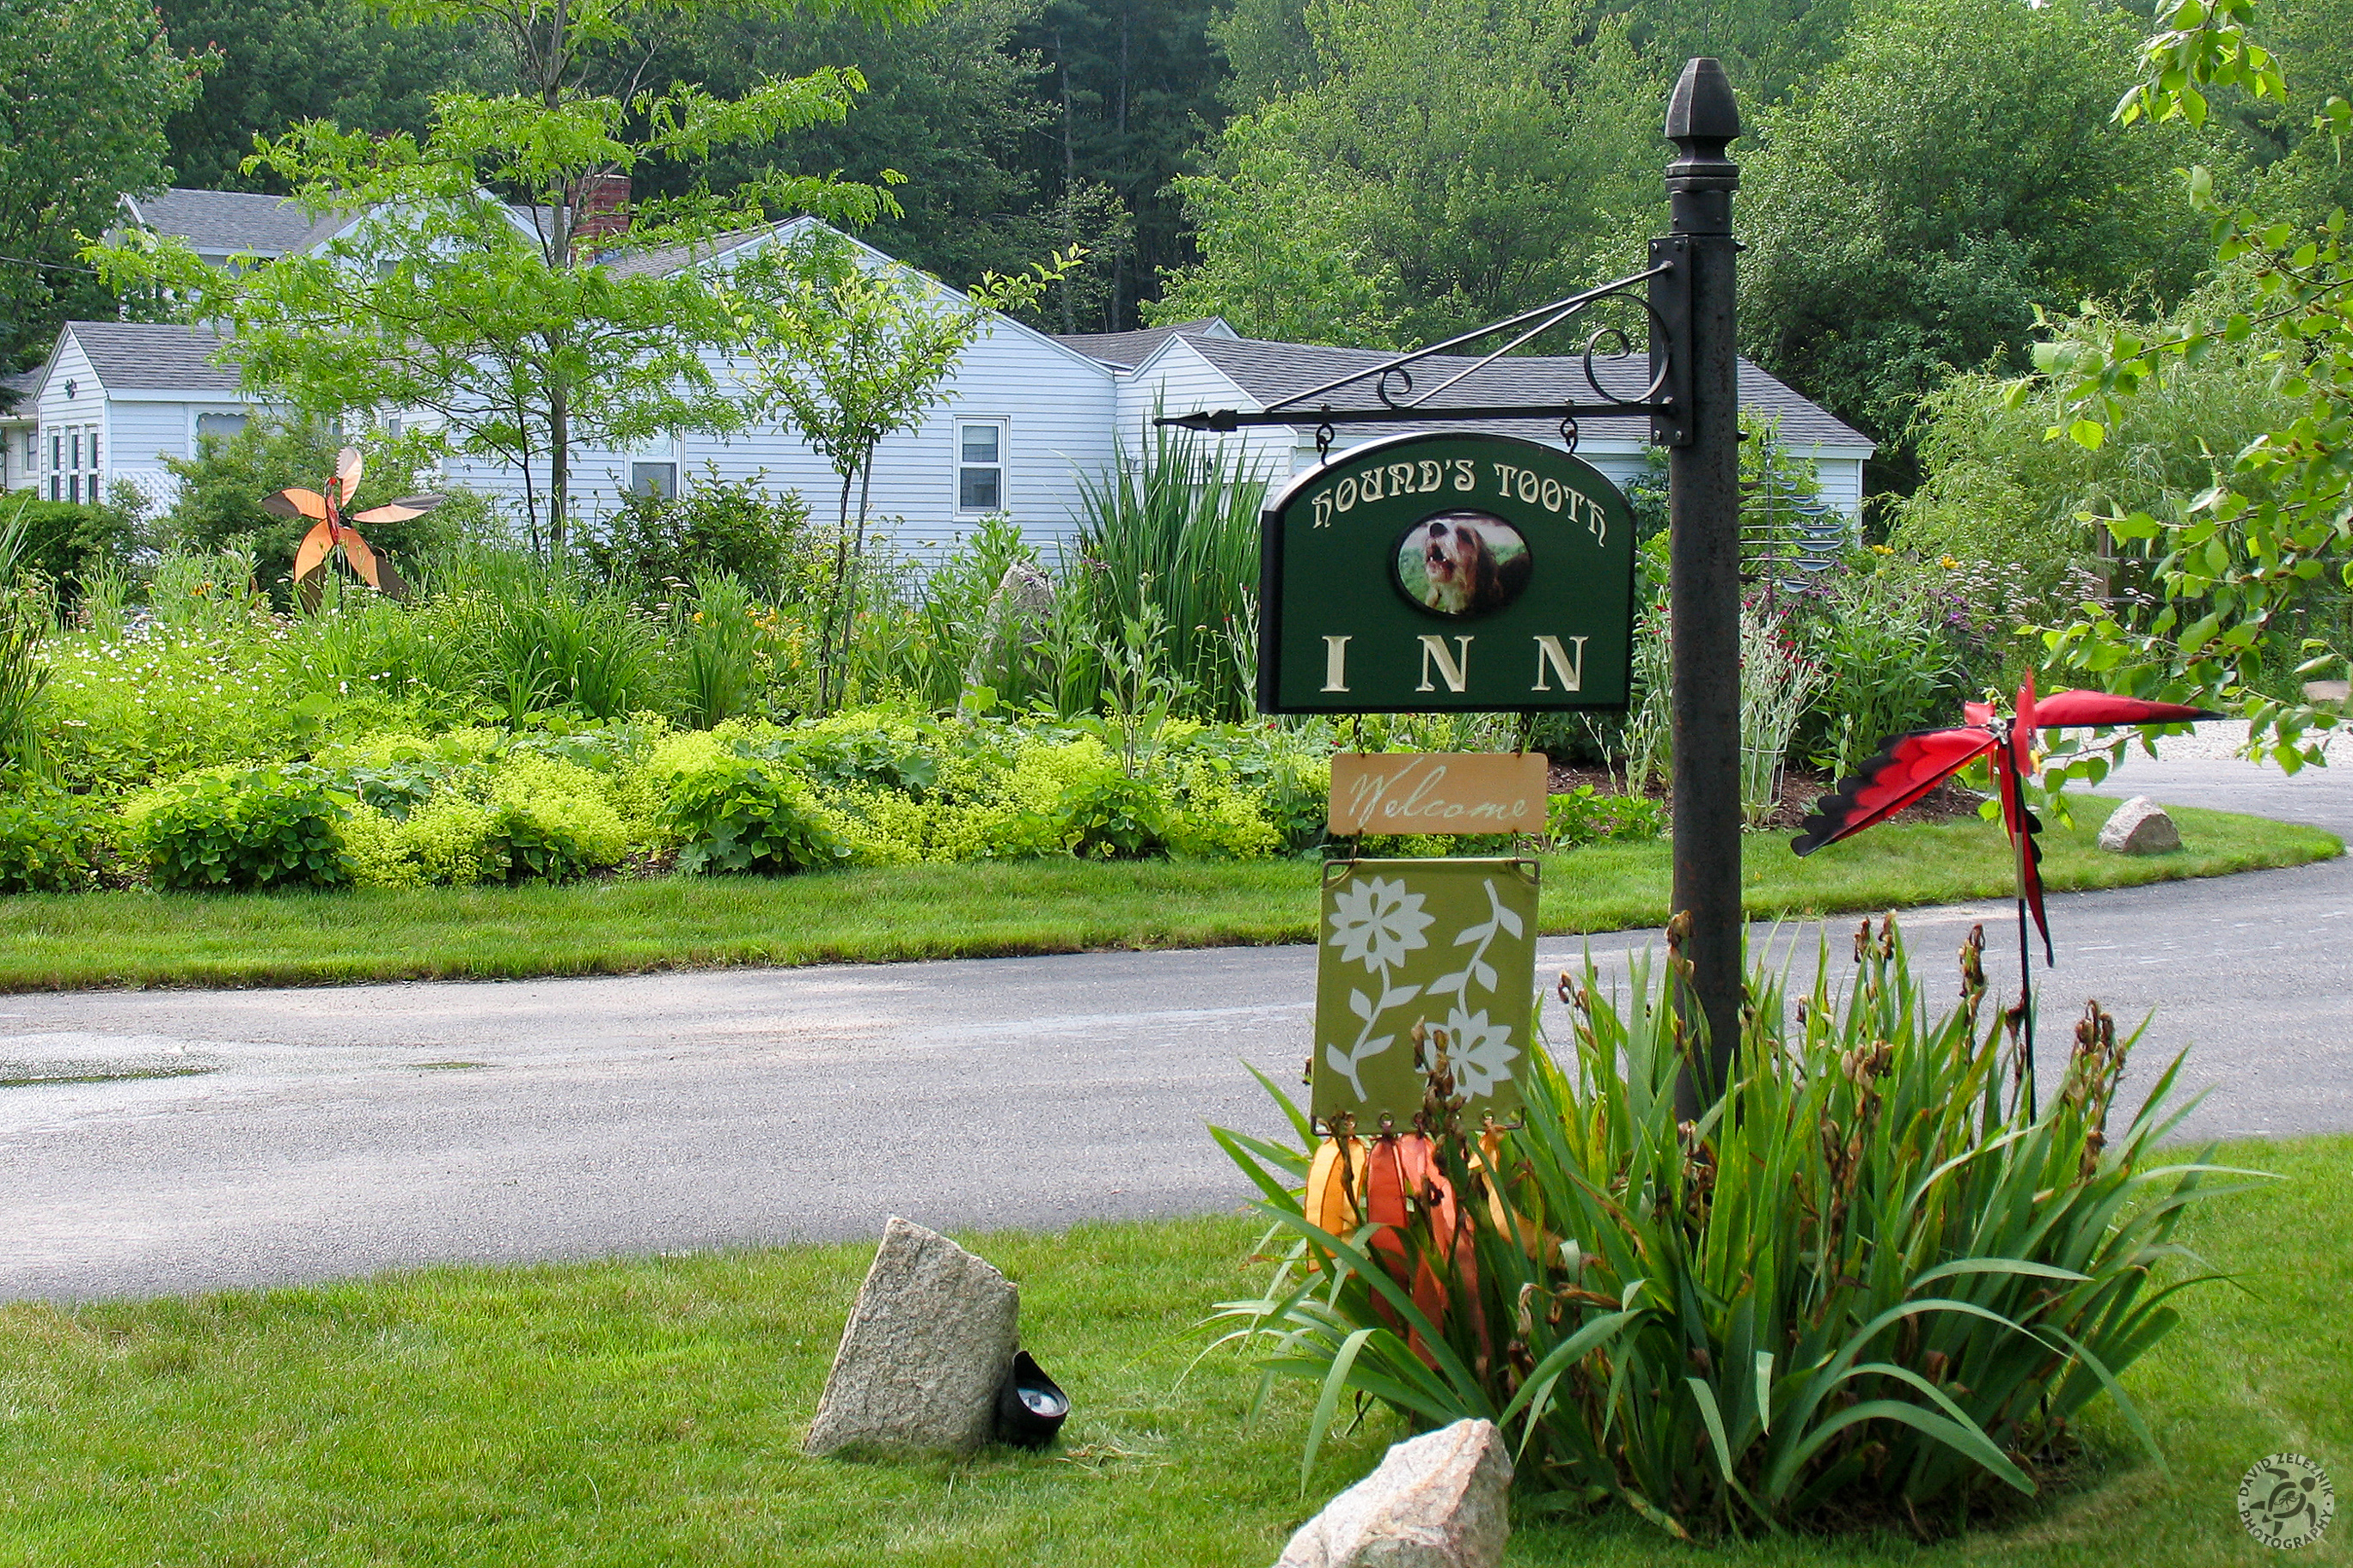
(1569, 430)
(1323, 433)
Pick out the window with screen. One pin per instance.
(653, 478)
(223, 425)
(980, 466)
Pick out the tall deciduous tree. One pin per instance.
(853, 350)
(85, 88)
(1906, 216)
(477, 282)
(286, 61)
(1457, 161)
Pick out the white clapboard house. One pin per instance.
(1023, 419)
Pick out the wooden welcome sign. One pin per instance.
(1423, 791)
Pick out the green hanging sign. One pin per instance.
(1426, 573)
(1447, 946)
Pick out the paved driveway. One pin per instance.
(247, 1137)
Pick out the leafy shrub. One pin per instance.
(265, 828)
(739, 528)
(721, 635)
(1889, 661)
(1585, 815)
(45, 838)
(743, 814)
(1111, 817)
(1866, 1280)
(67, 543)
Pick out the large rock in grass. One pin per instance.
(1437, 1501)
(2140, 826)
(928, 1342)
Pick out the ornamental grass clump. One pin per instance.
(1865, 1285)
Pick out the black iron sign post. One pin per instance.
(1543, 622)
(1704, 522)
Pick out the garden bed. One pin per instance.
(991, 909)
(645, 1410)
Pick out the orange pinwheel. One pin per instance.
(334, 530)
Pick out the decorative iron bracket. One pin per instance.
(1666, 397)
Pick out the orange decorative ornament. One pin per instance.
(333, 529)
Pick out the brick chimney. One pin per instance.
(600, 208)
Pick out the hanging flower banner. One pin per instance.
(1417, 957)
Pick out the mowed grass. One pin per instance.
(650, 1411)
(992, 909)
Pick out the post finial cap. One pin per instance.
(1704, 109)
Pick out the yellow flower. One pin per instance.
(1883, 550)
(1949, 565)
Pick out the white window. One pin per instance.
(223, 425)
(980, 467)
(653, 479)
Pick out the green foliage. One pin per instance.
(1585, 815)
(1889, 658)
(736, 526)
(1866, 1281)
(263, 827)
(68, 544)
(551, 640)
(1906, 214)
(23, 676)
(2237, 610)
(280, 62)
(1170, 542)
(744, 814)
(722, 638)
(1109, 815)
(219, 500)
(45, 835)
(85, 87)
(1450, 164)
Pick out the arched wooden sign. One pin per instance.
(1423, 572)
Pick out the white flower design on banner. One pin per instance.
(1377, 922)
(1481, 1053)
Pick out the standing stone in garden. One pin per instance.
(926, 1346)
(1437, 1501)
(2141, 827)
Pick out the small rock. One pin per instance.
(926, 1346)
(1437, 1501)
(2338, 691)
(2140, 826)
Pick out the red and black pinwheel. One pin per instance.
(1909, 765)
(334, 532)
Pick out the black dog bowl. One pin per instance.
(1030, 1407)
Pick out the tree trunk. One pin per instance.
(1069, 183)
(559, 468)
(835, 611)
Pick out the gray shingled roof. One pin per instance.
(1130, 349)
(16, 393)
(234, 221)
(152, 356)
(1269, 371)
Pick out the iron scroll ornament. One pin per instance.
(1393, 387)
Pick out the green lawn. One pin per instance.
(988, 909)
(650, 1411)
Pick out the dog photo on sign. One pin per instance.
(1462, 564)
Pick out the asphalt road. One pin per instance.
(174, 1140)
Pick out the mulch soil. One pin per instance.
(1801, 787)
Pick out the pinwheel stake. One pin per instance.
(332, 532)
(1908, 766)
